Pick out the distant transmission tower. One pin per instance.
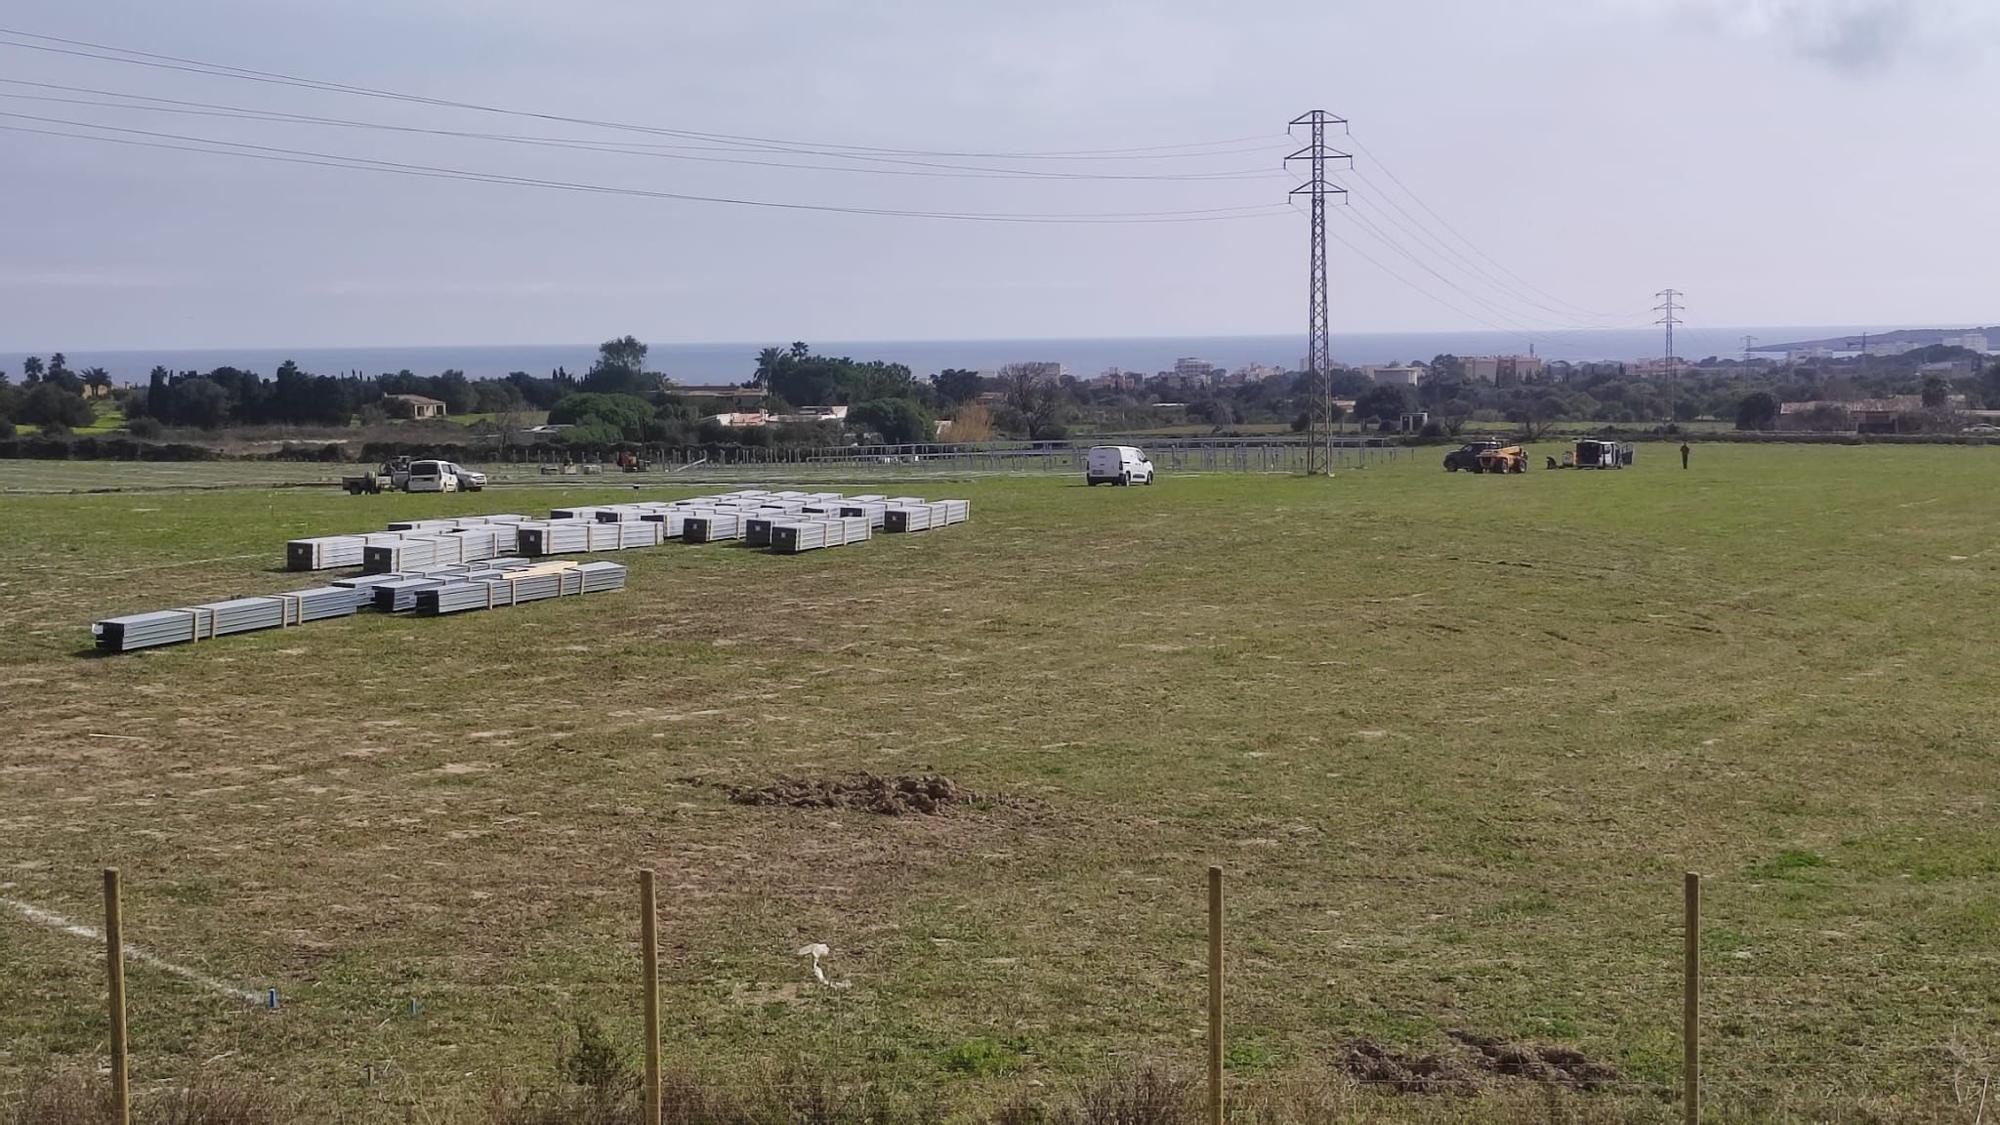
(1749, 345)
(1319, 359)
(1667, 306)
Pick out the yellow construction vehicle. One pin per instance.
(1506, 459)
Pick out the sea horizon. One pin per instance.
(1083, 357)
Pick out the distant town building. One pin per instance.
(1195, 370)
(1394, 374)
(412, 406)
(1971, 341)
(1254, 373)
(723, 399)
(766, 418)
(1036, 369)
(1501, 370)
(1867, 415)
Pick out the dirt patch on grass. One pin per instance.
(1545, 1064)
(1488, 1057)
(1374, 1064)
(884, 795)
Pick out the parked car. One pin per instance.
(469, 480)
(1466, 456)
(1117, 464)
(433, 476)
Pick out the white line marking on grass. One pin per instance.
(133, 953)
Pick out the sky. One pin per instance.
(1540, 164)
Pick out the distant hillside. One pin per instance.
(1907, 337)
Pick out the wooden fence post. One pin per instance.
(1215, 996)
(649, 940)
(1691, 1003)
(114, 969)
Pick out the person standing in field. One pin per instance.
(1684, 455)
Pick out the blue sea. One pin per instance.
(734, 362)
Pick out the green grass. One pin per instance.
(1455, 738)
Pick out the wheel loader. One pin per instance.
(1506, 459)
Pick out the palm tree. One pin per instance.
(768, 362)
(97, 379)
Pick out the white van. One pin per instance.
(433, 476)
(1117, 464)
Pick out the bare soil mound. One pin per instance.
(885, 795)
(1372, 1063)
(1545, 1064)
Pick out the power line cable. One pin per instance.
(331, 160)
(1429, 243)
(1522, 323)
(130, 56)
(1469, 244)
(229, 112)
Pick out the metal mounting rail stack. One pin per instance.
(548, 580)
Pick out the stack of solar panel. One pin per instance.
(477, 543)
(913, 517)
(413, 552)
(870, 510)
(572, 536)
(712, 526)
(330, 552)
(805, 535)
(956, 511)
(584, 513)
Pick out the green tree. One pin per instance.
(1937, 392)
(31, 370)
(956, 385)
(620, 369)
(54, 409)
(200, 401)
(900, 421)
(1384, 403)
(1757, 411)
(625, 415)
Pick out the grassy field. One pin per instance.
(1454, 737)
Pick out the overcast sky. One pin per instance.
(1780, 161)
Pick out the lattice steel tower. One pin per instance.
(1667, 306)
(1319, 362)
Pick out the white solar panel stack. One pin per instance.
(757, 529)
(193, 623)
(794, 537)
(585, 513)
(578, 536)
(874, 511)
(911, 517)
(712, 527)
(331, 552)
(413, 552)
(924, 517)
(745, 494)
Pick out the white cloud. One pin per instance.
(1852, 36)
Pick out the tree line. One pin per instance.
(619, 400)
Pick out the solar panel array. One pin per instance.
(452, 565)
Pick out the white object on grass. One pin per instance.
(816, 951)
(56, 921)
